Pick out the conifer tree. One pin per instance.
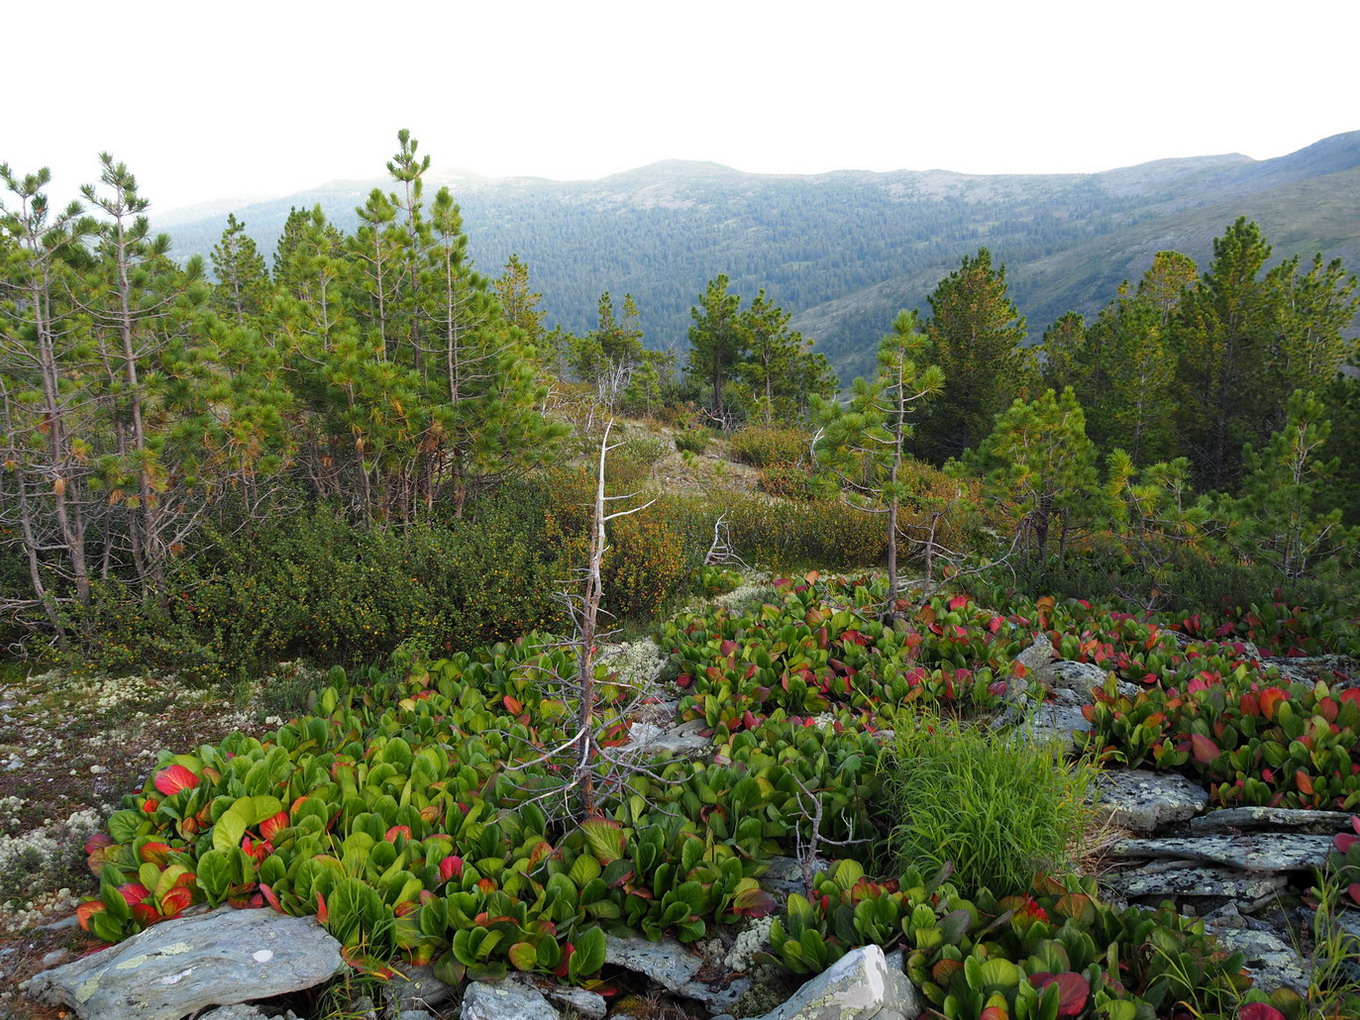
(865, 441)
(242, 280)
(717, 342)
(780, 365)
(1278, 520)
(1038, 462)
(976, 337)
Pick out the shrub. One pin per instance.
(649, 556)
(761, 445)
(1001, 810)
(692, 440)
(786, 481)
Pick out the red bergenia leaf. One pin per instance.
(175, 778)
(1204, 749)
(1073, 990)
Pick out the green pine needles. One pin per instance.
(1001, 810)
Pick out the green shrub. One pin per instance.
(761, 445)
(1001, 810)
(786, 481)
(692, 440)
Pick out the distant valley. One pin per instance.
(845, 250)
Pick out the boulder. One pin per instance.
(582, 1002)
(651, 739)
(186, 965)
(1054, 724)
(858, 986)
(504, 1001)
(1146, 801)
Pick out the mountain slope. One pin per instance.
(845, 250)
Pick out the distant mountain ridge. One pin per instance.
(845, 250)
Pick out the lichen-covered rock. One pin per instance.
(503, 1001)
(180, 967)
(1261, 817)
(667, 962)
(417, 988)
(1283, 851)
(1270, 960)
(582, 1002)
(858, 986)
(1193, 882)
(1049, 724)
(1146, 801)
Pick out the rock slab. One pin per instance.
(1284, 851)
(505, 1002)
(667, 962)
(858, 986)
(1146, 801)
(1293, 819)
(183, 966)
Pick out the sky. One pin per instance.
(208, 101)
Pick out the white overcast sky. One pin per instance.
(209, 101)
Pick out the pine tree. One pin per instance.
(976, 337)
(242, 280)
(717, 342)
(1221, 330)
(780, 365)
(864, 442)
(1038, 463)
(1278, 520)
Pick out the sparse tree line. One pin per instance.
(379, 371)
(1217, 401)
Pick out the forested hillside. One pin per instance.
(844, 251)
(360, 485)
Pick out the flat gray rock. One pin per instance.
(1146, 801)
(1193, 881)
(1049, 724)
(785, 875)
(416, 987)
(584, 1003)
(502, 1001)
(1258, 852)
(1293, 819)
(236, 1012)
(858, 986)
(653, 740)
(666, 962)
(183, 966)
(1270, 960)
(716, 998)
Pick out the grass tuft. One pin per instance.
(1001, 810)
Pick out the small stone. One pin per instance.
(858, 986)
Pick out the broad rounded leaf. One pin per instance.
(1073, 990)
(523, 956)
(1259, 1011)
(175, 778)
